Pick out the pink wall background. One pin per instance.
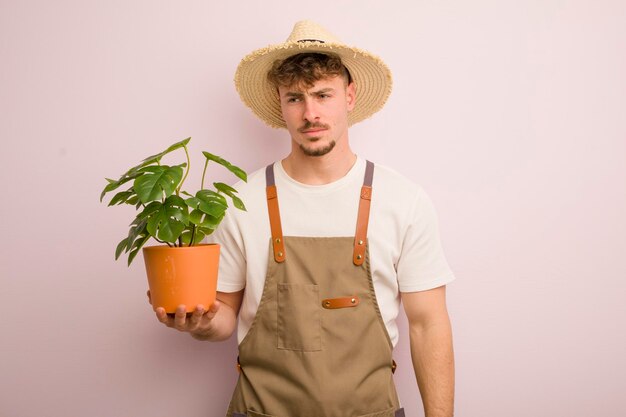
(509, 113)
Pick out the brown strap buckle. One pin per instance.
(363, 216)
(277, 233)
(342, 302)
(360, 237)
(361, 225)
(274, 213)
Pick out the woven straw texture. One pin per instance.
(370, 74)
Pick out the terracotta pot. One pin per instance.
(182, 275)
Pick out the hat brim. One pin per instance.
(370, 74)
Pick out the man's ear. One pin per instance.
(351, 96)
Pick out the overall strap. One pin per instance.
(360, 236)
(274, 214)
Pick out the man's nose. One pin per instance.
(311, 112)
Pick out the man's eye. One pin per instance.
(293, 100)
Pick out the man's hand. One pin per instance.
(197, 322)
(215, 323)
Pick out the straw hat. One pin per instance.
(370, 74)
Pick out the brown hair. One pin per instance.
(306, 68)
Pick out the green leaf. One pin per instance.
(123, 197)
(212, 196)
(201, 219)
(186, 237)
(198, 236)
(120, 248)
(240, 173)
(207, 231)
(157, 182)
(136, 233)
(169, 220)
(193, 202)
(138, 227)
(157, 158)
(208, 202)
(137, 245)
(114, 185)
(230, 191)
(209, 209)
(201, 233)
(148, 211)
(237, 202)
(134, 172)
(225, 188)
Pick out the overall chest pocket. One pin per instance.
(299, 317)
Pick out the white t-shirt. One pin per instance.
(404, 245)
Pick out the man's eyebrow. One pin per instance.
(324, 90)
(315, 93)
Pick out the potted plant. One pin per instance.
(181, 270)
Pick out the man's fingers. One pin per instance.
(197, 314)
(211, 312)
(180, 316)
(183, 321)
(162, 316)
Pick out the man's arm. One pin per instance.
(431, 349)
(215, 324)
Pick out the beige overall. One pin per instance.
(318, 346)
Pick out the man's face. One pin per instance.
(317, 118)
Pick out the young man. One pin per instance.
(315, 270)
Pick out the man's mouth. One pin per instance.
(312, 128)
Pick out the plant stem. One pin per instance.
(186, 171)
(206, 164)
(193, 234)
(162, 241)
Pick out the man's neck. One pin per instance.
(319, 170)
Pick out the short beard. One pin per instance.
(318, 152)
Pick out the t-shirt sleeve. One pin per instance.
(232, 266)
(422, 264)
